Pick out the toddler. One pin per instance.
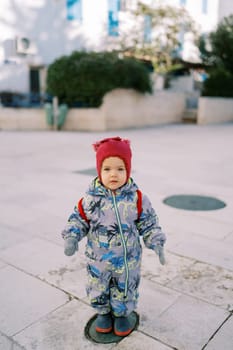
(113, 215)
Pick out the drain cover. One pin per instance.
(96, 337)
(193, 202)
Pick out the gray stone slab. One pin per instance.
(153, 300)
(224, 338)
(206, 250)
(60, 330)
(25, 299)
(2, 264)
(8, 344)
(47, 261)
(188, 324)
(139, 341)
(209, 227)
(153, 270)
(194, 279)
(229, 239)
(11, 236)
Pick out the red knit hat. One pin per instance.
(113, 147)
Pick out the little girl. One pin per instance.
(113, 215)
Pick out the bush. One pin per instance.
(219, 84)
(82, 79)
(220, 80)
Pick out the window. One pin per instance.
(183, 2)
(113, 21)
(74, 10)
(204, 6)
(147, 29)
(125, 5)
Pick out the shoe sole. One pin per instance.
(103, 330)
(122, 334)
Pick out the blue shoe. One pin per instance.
(104, 323)
(122, 326)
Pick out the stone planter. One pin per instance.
(213, 110)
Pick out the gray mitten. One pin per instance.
(160, 252)
(71, 246)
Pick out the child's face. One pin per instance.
(113, 173)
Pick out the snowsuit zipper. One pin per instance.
(123, 243)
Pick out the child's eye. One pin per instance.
(106, 169)
(121, 169)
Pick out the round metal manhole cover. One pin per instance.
(194, 202)
(102, 338)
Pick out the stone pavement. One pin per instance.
(185, 305)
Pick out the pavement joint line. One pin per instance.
(196, 298)
(201, 261)
(12, 341)
(216, 331)
(154, 338)
(38, 320)
(36, 277)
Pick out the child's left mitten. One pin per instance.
(160, 252)
(70, 246)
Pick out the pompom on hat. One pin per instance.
(113, 147)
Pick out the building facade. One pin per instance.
(34, 33)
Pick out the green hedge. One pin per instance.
(219, 84)
(82, 79)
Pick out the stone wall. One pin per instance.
(121, 109)
(213, 110)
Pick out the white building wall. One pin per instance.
(225, 9)
(44, 22)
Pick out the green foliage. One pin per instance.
(82, 79)
(219, 84)
(166, 22)
(219, 57)
(130, 73)
(222, 43)
(217, 48)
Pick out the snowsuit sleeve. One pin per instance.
(76, 226)
(148, 226)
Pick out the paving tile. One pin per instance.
(187, 324)
(224, 338)
(24, 299)
(194, 279)
(229, 239)
(11, 236)
(47, 261)
(139, 341)
(153, 270)
(15, 215)
(8, 344)
(5, 343)
(199, 248)
(153, 300)
(2, 264)
(62, 329)
(209, 227)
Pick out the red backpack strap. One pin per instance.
(81, 210)
(139, 203)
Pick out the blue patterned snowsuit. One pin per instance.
(113, 244)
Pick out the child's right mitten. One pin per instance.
(70, 246)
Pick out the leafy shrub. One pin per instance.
(219, 58)
(219, 84)
(82, 79)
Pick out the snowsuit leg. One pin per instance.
(98, 287)
(106, 288)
